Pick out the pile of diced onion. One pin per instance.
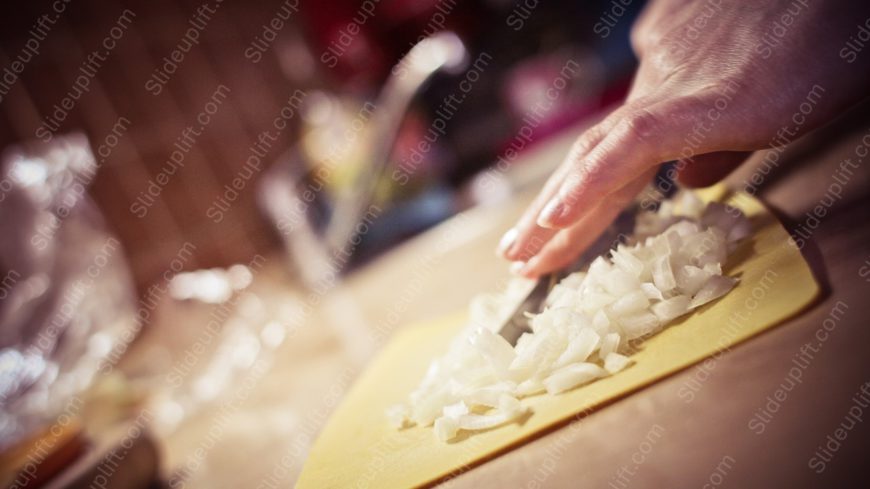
(588, 324)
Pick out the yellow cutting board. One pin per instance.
(358, 448)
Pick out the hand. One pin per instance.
(717, 79)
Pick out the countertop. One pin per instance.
(743, 419)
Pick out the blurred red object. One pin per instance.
(360, 41)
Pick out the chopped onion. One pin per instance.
(495, 349)
(609, 345)
(446, 428)
(614, 362)
(627, 262)
(509, 408)
(669, 309)
(651, 291)
(671, 265)
(639, 324)
(715, 288)
(690, 279)
(571, 376)
(630, 303)
(663, 276)
(601, 322)
(618, 282)
(530, 387)
(454, 411)
(474, 422)
(489, 396)
(579, 348)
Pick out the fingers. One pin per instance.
(526, 238)
(642, 139)
(707, 169)
(569, 243)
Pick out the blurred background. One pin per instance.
(197, 194)
(174, 62)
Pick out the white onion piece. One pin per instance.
(706, 248)
(673, 240)
(571, 376)
(489, 396)
(640, 324)
(618, 282)
(475, 422)
(523, 341)
(579, 348)
(627, 262)
(542, 350)
(690, 279)
(594, 301)
(601, 323)
(630, 303)
(651, 291)
(598, 267)
(510, 404)
(428, 408)
(530, 387)
(561, 296)
(714, 289)
(495, 349)
(509, 408)
(609, 344)
(454, 411)
(663, 276)
(669, 309)
(446, 428)
(614, 362)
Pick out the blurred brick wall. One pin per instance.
(137, 129)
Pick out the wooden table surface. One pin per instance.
(694, 429)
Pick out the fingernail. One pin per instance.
(551, 212)
(507, 241)
(517, 267)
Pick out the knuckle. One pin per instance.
(580, 147)
(668, 60)
(587, 141)
(644, 33)
(591, 174)
(560, 249)
(642, 125)
(529, 248)
(638, 39)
